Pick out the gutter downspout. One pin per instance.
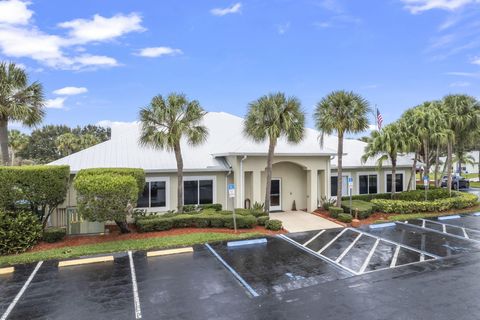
(241, 181)
(226, 182)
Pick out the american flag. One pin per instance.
(379, 120)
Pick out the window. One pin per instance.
(333, 186)
(367, 183)
(198, 191)
(154, 195)
(398, 182)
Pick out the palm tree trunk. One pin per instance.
(449, 167)
(478, 164)
(4, 141)
(437, 165)
(13, 157)
(394, 177)
(427, 160)
(339, 169)
(178, 157)
(414, 173)
(271, 151)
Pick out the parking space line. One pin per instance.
(332, 241)
(22, 291)
(320, 256)
(369, 257)
(464, 229)
(395, 257)
(400, 244)
(436, 231)
(423, 223)
(235, 274)
(465, 234)
(313, 238)
(136, 299)
(344, 253)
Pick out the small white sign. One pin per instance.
(350, 182)
(231, 190)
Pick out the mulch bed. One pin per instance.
(115, 235)
(324, 214)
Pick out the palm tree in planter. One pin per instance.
(387, 144)
(19, 101)
(166, 121)
(341, 112)
(271, 117)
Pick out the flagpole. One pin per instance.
(376, 117)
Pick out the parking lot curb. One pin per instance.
(7, 270)
(77, 262)
(169, 252)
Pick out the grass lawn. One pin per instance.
(475, 184)
(122, 245)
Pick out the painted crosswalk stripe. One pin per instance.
(22, 291)
(332, 241)
(465, 234)
(313, 238)
(395, 257)
(136, 298)
(369, 257)
(344, 253)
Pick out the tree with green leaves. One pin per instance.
(341, 112)
(17, 141)
(409, 126)
(272, 117)
(387, 144)
(19, 101)
(67, 144)
(166, 121)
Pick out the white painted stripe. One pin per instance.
(423, 223)
(422, 257)
(454, 226)
(21, 292)
(444, 228)
(332, 241)
(465, 234)
(395, 257)
(313, 238)
(136, 298)
(369, 257)
(344, 253)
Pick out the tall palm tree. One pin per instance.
(387, 144)
(166, 121)
(19, 101)
(67, 144)
(87, 140)
(409, 127)
(16, 141)
(271, 117)
(342, 112)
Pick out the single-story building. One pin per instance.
(303, 173)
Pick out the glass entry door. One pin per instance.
(275, 195)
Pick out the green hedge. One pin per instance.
(198, 208)
(345, 217)
(413, 195)
(19, 231)
(459, 200)
(262, 220)
(136, 173)
(51, 235)
(365, 209)
(273, 225)
(335, 211)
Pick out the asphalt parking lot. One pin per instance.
(418, 269)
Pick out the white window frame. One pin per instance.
(167, 194)
(367, 173)
(279, 207)
(397, 172)
(197, 178)
(348, 175)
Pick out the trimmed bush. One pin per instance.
(413, 195)
(365, 208)
(51, 235)
(335, 211)
(19, 231)
(214, 206)
(345, 217)
(262, 220)
(136, 173)
(458, 200)
(273, 225)
(39, 189)
(155, 224)
(243, 222)
(192, 208)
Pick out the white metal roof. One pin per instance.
(225, 138)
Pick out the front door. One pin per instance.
(276, 195)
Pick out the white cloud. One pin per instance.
(101, 28)
(235, 8)
(464, 74)
(283, 28)
(15, 12)
(372, 127)
(154, 52)
(418, 6)
(110, 123)
(93, 61)
(476, 61)
(70, 91)
(460, 84)
(56, 103)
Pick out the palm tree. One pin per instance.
(165, 121)
(271, 117)
(87, 140)
(409, 127)
(67, 144)
(341, 112)
(387, 144)
(19, 101)
(16, 141)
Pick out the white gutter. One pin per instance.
(241, 180)
(226, 184)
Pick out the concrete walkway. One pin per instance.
(297, 221)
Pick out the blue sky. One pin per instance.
(111, 57)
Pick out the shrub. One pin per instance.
(51, 235)
(136, 173)
(273, 225)
(458, 200)
(39, 189)
(154, 224)
(345, 217)
(363, 208)
(243, 222)
(327, 202)
(19, 231)
(335, 211)
(262, 220)
(214, 206)
(258, 206)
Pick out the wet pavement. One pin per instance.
(423, 269)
